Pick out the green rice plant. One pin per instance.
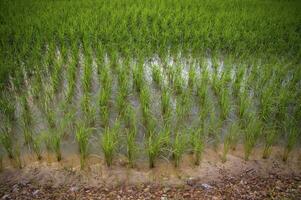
(71, 78)
(88, 109)
(129, 117)
(183, 105)
(7, 106)
(238, 79)
(231, 139)
(154, 145)
(56, 75)
(252, 132)
(7, 141)
(225, 103)
(48, 111)
(202, 91)
(109, 144)
(131, 147)
(26, 120)
(191, 77)
(244, 104)
(17, 157)
(145, 102)
(121, 100)
(157, 76)
(267, 103)
(290, 143)
(37, 146)
(197, 143)
(165, 102)
(270, 135)
(214, 128)
(138, 74)
(106, 79)
(178, 147)
(52, 139)
(178, 83)
(87, 74)
(82, 137)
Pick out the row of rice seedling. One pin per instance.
(268, 131)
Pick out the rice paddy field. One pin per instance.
(149, 82)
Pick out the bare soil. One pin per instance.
(236, 179)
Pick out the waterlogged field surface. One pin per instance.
(180, 87)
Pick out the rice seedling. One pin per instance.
(88, 109)
(7, 141)
(82, 137)
(131, 147)
(183, 105)
(56, 75)
(109, 143)
(231, 140)
(225, 103)
(138, 74)
(165, 103)
(157, 76)
(7, 106)
(191, 77)
(214, 128)
(178, 83)
(270, 135)
(251, 134)
(26, 120)
(197, 143)
(129, 117)
(178, 147)
(52, 139)
(36, 146)
(244, 103)
(154, 145)
(238, 79)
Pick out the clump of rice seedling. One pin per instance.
(157, 76)
(82, 137)
(244, 103)
(36, 146)
(138, 76)
(225, 103)
(48, 111)
(88, 109)
(153, 147)
(26, 120)
(71, 78)
(191, 77)
(178, 83)
(109, 143)
(270, 137)
(214, 128)
(197, 142)
(291, 141)
(17, 157)
(231, 140)
(129, 117)
(145, 103)
(7, 106)
(52, 141)
(165, 103)
(179, 147)
(238, 79)
(7, 141)
(251, 135)
(131, 146)
(56, 75)
(183, 105)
